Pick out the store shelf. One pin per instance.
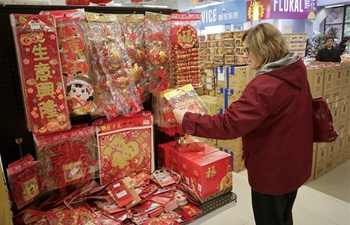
(215, 206)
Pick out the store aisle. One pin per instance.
(311, 207)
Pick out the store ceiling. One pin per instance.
(173, 4)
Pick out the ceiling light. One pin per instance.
(155, 6)
(333, 6)
(117, 4)
(206, 5)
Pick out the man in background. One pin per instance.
(329, 53)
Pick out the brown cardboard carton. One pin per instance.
(321, 154)
(329, 76)
(346, 74)
(338, 77)
(331, 151)
(320, 170)
(315, 77)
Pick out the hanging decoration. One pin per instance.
(77, 2)
(255, 11)
(100, 2)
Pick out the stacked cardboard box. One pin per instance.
(296, 43)
(333, 80)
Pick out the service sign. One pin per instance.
(287, 9)
(230, 12)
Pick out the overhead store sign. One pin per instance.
(286, 9)
(227, 13)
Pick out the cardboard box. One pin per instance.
(336, 94)
(321, 154)
(330, 165)
(210, 102)
(237, 160)
(211, 173)
(329, 76)
(185, 162)
(343, 110)
(320, 170)
(338, 77)
(327, 96)
(220, 73)
(315, 77)
(347, 139)
(228, 43)
(346, 74)
(233, 95)
(232, 145)
(331, 151)
(229, 59)
(236, 77)
(345, 91)
(221, 94)
(335, 109)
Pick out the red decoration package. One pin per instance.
(68, 157)
(185, 51)
(133, 27)
(41, 75)
(125, 146)
(158, 51)
(25, 180)
(74, 60)
(117, 92)
(186, 98)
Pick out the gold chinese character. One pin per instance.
(211, 172)
(42, 72)
(47, 108)
(40, 52)
(45, 89)
(74, 45)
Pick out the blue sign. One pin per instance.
(225, 13)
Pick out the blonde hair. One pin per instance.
(266, 43)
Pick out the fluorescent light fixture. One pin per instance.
(155, 6)
(117, 4)
(333, 6)
(206, 5)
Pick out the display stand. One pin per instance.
(209, 208)
(12, 119)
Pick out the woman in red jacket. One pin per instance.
(274, 118)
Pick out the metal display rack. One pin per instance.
(15, 139)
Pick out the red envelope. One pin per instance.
(191, 210)
(120, 193)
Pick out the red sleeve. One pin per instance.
(241, 117)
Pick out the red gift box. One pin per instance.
(163, 152)
(184, 162)
(211, 174)
(125, 146)
(41, 73)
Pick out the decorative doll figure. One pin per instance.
(79, 95)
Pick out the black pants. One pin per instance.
(273, 209)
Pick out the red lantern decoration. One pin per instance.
(100, 2)
(136, 1)
(77, 2)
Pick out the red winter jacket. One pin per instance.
(274, 118)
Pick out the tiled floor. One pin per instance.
(311, 208)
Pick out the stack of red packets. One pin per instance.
(140, 199)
